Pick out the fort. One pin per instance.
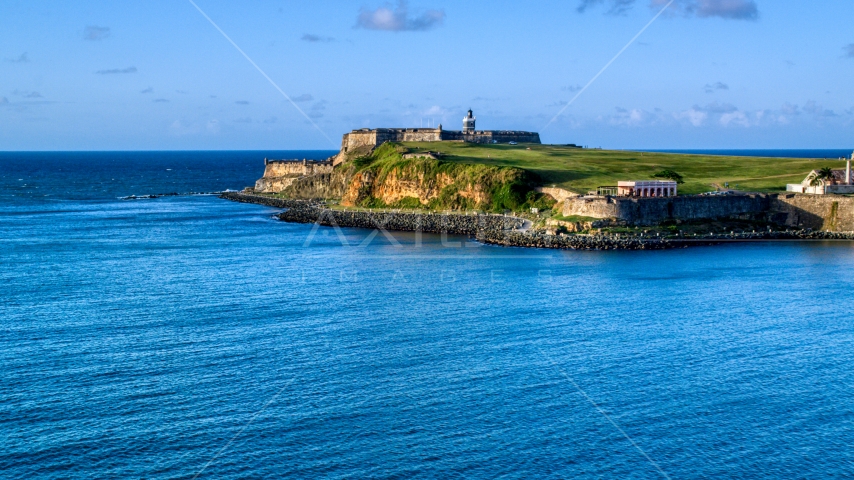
(280, 174)
(372, 138)
(387, 169)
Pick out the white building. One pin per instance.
(647, 188)
(841, 183)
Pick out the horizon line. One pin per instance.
(629, 149)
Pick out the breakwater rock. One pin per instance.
(269, 201)
(576, 242)
(489, 229)
(451, 223)
(714, 238)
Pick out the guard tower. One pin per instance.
(468, 123)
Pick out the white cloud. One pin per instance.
(631, 118)
(436, 111)
(737, 118)
(693, 116)
(398, 19)
(181, 128)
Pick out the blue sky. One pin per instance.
(122, 75)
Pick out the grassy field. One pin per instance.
(583, 170)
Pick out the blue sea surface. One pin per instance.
(188, 335)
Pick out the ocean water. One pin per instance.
(191, 337)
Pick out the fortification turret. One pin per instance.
(468, 122)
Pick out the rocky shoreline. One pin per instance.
(505, 230)
(269, 201)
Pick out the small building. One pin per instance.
(647, 188)
(842, 182)
(607, 191)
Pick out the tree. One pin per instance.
(822, 177)
(826, 175)
(669, 174)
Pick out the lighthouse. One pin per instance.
(468, 122)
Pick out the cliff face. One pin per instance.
(328, 186)
(387, 179)
(382, 177)
(405, 184)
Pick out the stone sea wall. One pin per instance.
(818, 212)
(652, 211)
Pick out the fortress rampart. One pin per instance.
(818, 212)
(280, 174)
(282, 168)
(378, 136)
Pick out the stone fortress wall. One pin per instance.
(365, 139)
(818, 212)
(280, 174)
(282, 168)
(378, 136)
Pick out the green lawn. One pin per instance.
(583, 170)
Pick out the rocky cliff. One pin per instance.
(387, 179)
(383, 177)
